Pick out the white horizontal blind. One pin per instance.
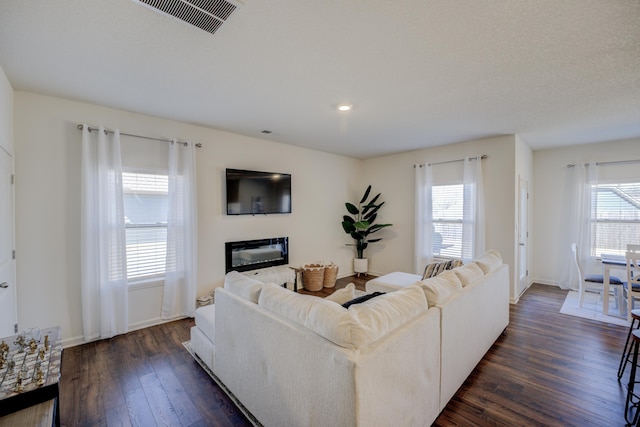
(145, 208)
(615, 217)
(448, 214)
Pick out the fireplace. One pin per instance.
(248, 255)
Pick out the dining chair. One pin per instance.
(592, 282)
(633, 282)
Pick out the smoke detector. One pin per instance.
(207, 15)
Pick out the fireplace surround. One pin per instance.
(249, 255)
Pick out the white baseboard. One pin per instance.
(79, 340)
(545, 282)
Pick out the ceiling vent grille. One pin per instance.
(207, 15)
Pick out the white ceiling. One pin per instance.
(419, 73)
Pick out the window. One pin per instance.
(145, 208)
(615, 217)
(448, 211)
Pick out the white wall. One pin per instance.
(393, 176)
(6, 113)
(47, 147)
(552, 195)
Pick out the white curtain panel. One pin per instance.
(179, 297)
(103, 255)
(423, 218)
(584, 175)
(473, 229)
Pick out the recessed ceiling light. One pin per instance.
(345, 107)
(266, 132)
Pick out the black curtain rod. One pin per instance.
(94, 128)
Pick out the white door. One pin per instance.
(8, 310)
(523, 234)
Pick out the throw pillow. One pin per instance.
(489, 261)
(243, 286)
(361, 299)
(440, 288)
(435, 268)
(343, 295)
(468, 273)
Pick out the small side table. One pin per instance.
(30, 375)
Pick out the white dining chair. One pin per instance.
(592, 282)
(633, 282)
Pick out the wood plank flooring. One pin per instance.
(547, 369)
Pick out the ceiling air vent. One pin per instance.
(207, 15)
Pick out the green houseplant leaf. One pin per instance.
(361, 221)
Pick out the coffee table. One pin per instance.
(30, 370)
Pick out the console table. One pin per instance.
(30, 370)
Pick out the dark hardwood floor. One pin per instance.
(547, 369)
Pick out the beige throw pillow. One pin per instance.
(243, 286)
(468, 273)
(439, 289)
(343, 295)
(489, 261)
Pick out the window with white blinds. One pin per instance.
(448, 214)
(615, 217)
(145, 208)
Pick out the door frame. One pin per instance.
(12, 318)
(522, 239)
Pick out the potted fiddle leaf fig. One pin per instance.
(360, 224)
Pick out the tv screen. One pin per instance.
(258, 193)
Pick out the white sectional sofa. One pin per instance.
(471, 318)
(395, 360)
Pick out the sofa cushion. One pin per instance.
(326, 318)
(381, 315)
(205, 320)
(468, 273)
(440, 288)
(343, 295)
(243, 286)
(359, 325)
(489, 261)
(435, 268)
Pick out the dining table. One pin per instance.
(612, 262)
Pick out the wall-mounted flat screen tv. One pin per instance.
(258, 193)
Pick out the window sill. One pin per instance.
(145, 284)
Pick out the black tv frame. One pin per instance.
(262, 173)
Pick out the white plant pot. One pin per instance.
(360, 265)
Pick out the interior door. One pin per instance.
(523, 234)
(8, 306)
